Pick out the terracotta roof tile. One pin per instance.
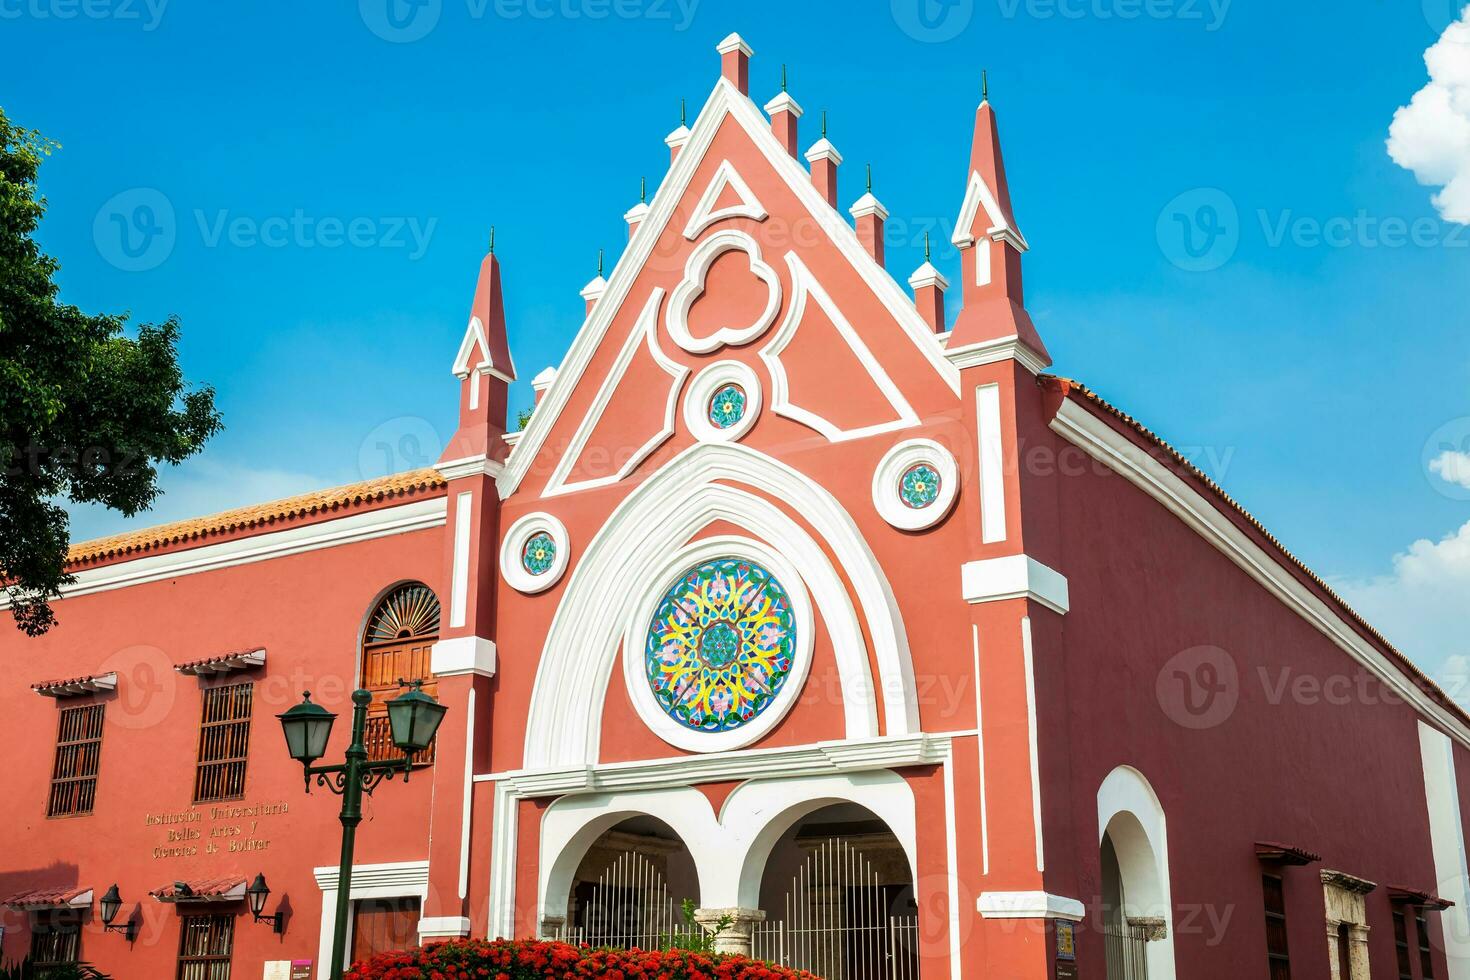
(202, 890)
(292, 508)
(67, 686)
(1068, 386)
(48, 898)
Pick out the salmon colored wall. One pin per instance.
(307, 611)
(1343, 780)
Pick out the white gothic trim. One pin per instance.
(724, 101)
(645, 332)
(704, 212)
(660, 577)
(1080, 427)
(666, 511)
(978, 193)
(511, 569)
(691, 287)
(890, 470)
(804, 285)
(401, 879)
(702, 389)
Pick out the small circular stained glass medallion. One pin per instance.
(538, 554)
(721, 645)
(727, 406)
(918, 487)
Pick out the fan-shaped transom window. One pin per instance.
(398, 646)
(408, 612)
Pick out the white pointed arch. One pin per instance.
(563, 725)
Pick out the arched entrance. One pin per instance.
(838, 893)
(630, 889)
(1133, 850)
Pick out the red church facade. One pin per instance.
(872, 638)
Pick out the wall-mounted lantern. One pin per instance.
(110, 904)
(256, 895)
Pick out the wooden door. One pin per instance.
(382, 925)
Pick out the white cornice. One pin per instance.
(994, 351)
(1082, 428)
(480, 465)
(1014, 577)
(401, 874)
(463, 655)
(927, 275)
(678, 137)
(734, 42)
(823, 150)
(594, 289)
(380, 522)
(637, 212)
(866, 205)
(1029, 905)
(783, 103)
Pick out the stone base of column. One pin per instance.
(731, 928)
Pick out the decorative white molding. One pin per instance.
(1130, 815)
(978, 194)
(734, 42)
(783, 102)
(481, 465)
(697, 487)
(805, 285)
(1447, 845)
(866, 205)
(703, 388)
(511, 569)
(416, 515)
(656, 585)
(704, 213)
(890, 470)
(1014, 577)
(636, 213)
(474, 341)
(823, 150)
(677, 138)
(443, 927)
(644, 332)
(543, 379)
(463, 655)
(724, 101)
(403, 879)
(1104, 443)
(691, 287)
(990, 449)
(459, 581)
(1029, 905)
(593, 291)
(994, 351)
(927, 275)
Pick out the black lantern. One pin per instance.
(109, 906)
(256, 895)
(307, 727)
(414, 717)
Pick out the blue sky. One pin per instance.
(1310, 374)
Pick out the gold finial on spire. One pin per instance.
(492, 239)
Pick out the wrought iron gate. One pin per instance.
(1127, 952)
(837, 920)
(629, 906)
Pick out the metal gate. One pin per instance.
(837, 920)
(630, 907)
(1127, 952)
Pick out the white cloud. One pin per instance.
(1422, 607)
(199, 487)
(1431, 135)
(1452, 466)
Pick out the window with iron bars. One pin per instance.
(205, 945)
(56, 939)
(78, 750)
(1277, 958)
(224, 743)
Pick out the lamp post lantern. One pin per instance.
(413, 716)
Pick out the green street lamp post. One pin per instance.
(413, 716)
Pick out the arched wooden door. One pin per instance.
(396, 646)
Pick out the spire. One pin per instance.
(593, 291)
(676, 140)
(485, 346)
(635, 215)
(991, 246)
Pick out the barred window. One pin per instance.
(224, 743)
(78, 748)
(1426, 955)
(56, 938)
(1401, 944)
(205, 945)
(1278, 960)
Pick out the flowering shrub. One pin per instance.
(527, 959)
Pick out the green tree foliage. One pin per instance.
(87, 412)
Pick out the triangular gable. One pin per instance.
(725, 183)
(977, 195)
(473, 349)
(725, 101)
